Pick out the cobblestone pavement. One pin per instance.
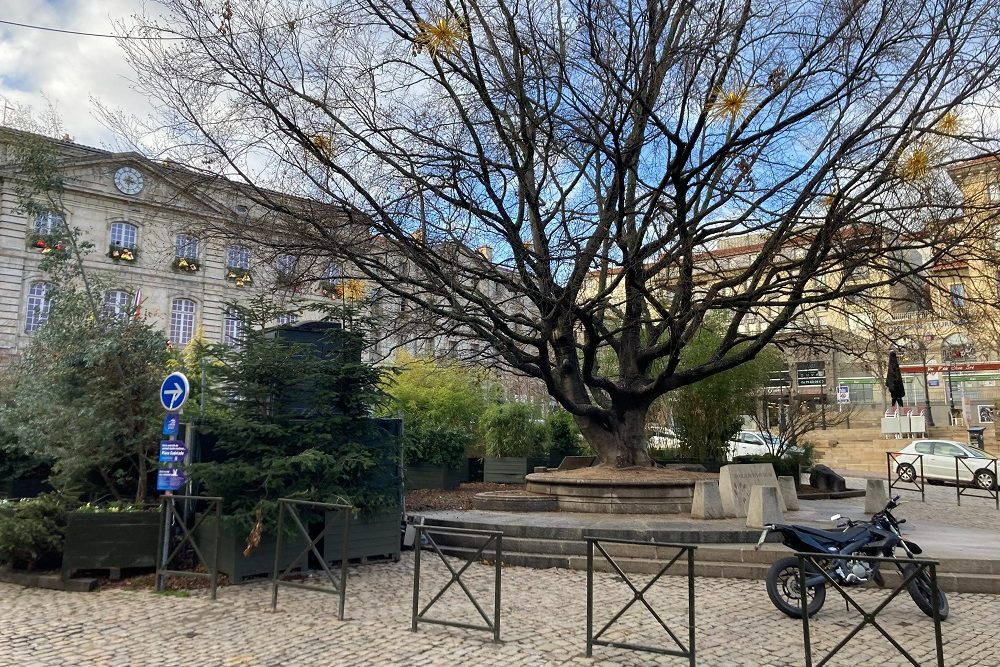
(542, 623)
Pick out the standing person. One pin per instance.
(894, 381)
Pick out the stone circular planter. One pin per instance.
(514, 501)
(616, 496)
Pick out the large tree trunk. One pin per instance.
(621, 442)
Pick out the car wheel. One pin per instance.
(985, 479)
(906, 472)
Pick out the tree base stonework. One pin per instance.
(619, 491)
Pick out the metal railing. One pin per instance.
(338, 588)
(896, 481)
(992, 492)
(420, 616)
(917, 568)
(169, 517)
(594, 639)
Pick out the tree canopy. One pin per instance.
(604, 154)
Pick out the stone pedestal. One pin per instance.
(736, 482)
(707, 503)
(786, 485)
(875, 496)
(764, 507)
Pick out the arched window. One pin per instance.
(238, 257)
(181, 321)
(232, 328)
(47, 222)
(124, 235)
(285, 265)
(39, 303)
(186, 246)
(116, 303)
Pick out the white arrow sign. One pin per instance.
(174, 391)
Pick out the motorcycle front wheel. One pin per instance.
(920, 590)
(783, 588)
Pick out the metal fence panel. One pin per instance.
(594, 639)
(338, 588)
(896, 481)
(975, 491)
(869, 618)
(420, 615)
(168, 518)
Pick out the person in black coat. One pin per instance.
(894, 381)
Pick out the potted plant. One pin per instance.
(288, 413)
(434, 456)
(31, 531)
(515, 439)
(111, 536)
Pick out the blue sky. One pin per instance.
(69, 70)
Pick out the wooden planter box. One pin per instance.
(110, 541)
(429, 476)
(510, 469)
(374, 537)
(260, 562)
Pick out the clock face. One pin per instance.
(128, 180)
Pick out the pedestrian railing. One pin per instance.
(338, 584)
(910, 570)
(170, 522)
(494, 537)
(595, 639)
(905, 472)
(982, 469)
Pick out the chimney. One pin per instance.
(486, 252)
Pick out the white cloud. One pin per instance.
(69, 70)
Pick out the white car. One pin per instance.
(939, 462)
(663, 438)
(755, 443)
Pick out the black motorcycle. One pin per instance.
(878, 537)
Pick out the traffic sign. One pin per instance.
(171, 423)
(844, 394)
(170, 479)
(172, 451)
(174, 391)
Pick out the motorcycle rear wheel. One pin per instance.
(783, 589)
(920, 590)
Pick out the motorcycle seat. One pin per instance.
(837, 536)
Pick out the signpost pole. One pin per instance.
(173, 392)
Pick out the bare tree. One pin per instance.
(603, 151)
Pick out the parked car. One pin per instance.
(755, 443)
(939, 463)
(663, 438)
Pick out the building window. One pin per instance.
(46, 223)
(285, 265)
(116, 303)
(332, 271)
(123, 235)
(238, 257)
(232, 328)
(39, 304)
(993, 191)
(186, 247)
(181, 321)
(957, 295)
(287, 318)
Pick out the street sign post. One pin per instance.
(174, 391)
(171, 424)
(844, 394)
(170, 479)
(172, 451)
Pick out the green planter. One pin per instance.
(260, 562)
(374, 537)
(430, 476)
(510, 469)
(109, 541)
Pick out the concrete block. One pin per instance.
(786, 485)
(737, 480)
(707, 503)
(764, 506)
(876, 496)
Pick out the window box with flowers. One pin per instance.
(239, 276)
(332, 288)
(185, 265)
(352, 290)
(120, 254)
(45, 243)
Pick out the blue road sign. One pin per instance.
(171, 423)
(172, 451)
(170, 479)
(174, 391)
